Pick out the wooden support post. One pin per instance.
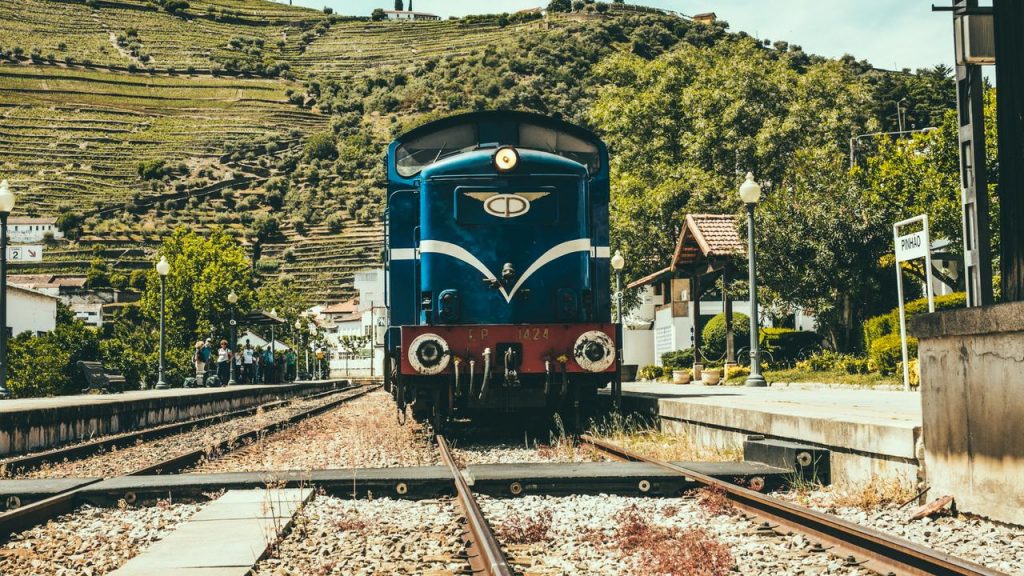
(730, 343)
(697, 328)
(1009, 21)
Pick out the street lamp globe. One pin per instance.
(750, 191)
(163, 267)
(7, 198)
(298, 324)
(618, 261)
(273, 312)
(233, 298)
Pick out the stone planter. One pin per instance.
(711, 377)
(680, 376)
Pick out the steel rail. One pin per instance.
(482, 548)
(857, 545)
(39, 512)
(21, 464)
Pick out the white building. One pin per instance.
(257, 341)
(409, 16)
(364, 315)
(88, 304)
(30, 311)
(681, 298)
(24, 229)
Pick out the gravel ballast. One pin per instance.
(364, 433)
(122, 461)
(990, 544)
(90, 541)
(332, 536)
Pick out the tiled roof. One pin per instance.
(30, 220)
(46, 280)
(347, 307)
(710, 236)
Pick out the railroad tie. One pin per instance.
(226, 538)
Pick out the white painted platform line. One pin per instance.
(226, 538)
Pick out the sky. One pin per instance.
(892, 34)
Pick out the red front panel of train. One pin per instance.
(538, 342)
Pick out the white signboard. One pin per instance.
(908, 247)
(911, 246)
(25, 253)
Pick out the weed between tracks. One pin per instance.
(641, 435)
(526, 529)
(671, 551)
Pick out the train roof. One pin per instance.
(495, 116)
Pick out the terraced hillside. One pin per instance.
(268, 120)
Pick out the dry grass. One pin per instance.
(526, 529)
(876, 493)
(671, 551)
(643, 437)
(713, 501)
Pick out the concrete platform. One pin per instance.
(869, 432)
(227, 537)
(36, 424)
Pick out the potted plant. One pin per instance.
(711, 376)
(681, 376)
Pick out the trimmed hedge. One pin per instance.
(886, 353)
(714, 334)
(678, 359)
(785, 344)
(889, 323)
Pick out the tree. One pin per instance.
(377, 15)
(322, 146)
(265, 227)
(399, 5)
(204, 270)
(560, 6)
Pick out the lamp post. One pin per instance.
(618, 262)
(299, 336)
(232, 299)
(750, 193)
(854, 139)
(7, 201)
(163, 268)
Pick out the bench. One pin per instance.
(99, 379)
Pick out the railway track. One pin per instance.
(23, 517)
(855, 545)
(482, 549)
(12, 467)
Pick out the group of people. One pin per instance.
(252, 365)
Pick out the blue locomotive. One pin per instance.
(498, 267)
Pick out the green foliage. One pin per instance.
(828, 361)
(889, 323)
(714, 334)
(322, 146)
(678, 359)
(377, 15)
(886, 353)
(205, 268)
(152, 169)
(265, 226)
(44, 365)
(786, 344)
(650, 372)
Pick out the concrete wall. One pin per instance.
(42, 423)
(972, 395)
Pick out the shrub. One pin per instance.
(152, 169)
(886, 353)
(678, 359)
(268, 265)
(737, 373)
(889, 323)
(786, 344)
(335, 222)
(650, 372)
(321, 146)
(265, 226)
(714, 334)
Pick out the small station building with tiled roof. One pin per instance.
(679, 299)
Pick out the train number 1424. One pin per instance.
(534, 334)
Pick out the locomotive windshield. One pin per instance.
(417, 153)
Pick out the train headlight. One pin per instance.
(429, 354)
(594, 351)
(506, 159)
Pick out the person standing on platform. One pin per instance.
(268, 366)
(291, 362)
(199, 362)
(248, 359)
(224, 357)
(239, 375)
